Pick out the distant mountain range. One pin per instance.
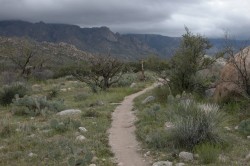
(98, 39)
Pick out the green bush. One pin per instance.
(195, 123)
(34, 106)
(208, 153)
(244, 127)
(158, 139)
(126, 80)
(54, 92)
(91, 113)
(6, 129)
(81, 96)
(8, 93)
(161, 93)
(64, 125)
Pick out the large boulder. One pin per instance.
(230, 77)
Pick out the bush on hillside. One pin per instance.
(34, 106)
(8, 93)
(244, 127)
(194, 123)
(208, 153)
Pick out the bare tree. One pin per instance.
(241, 64)
(101, 71)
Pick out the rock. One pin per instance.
(196, 156)
(97, 103)
(223, 158)
(227, 128)
(32, 154)
(133, 85)
(32, 118)
(148, 99)
(69, 112)
(92, 165)
(248, 157)
(248, 137)
(236, 127)
(82, 129)
(32, 136)
(2, 147)
(80, 138)
(179, 164)
(227, 88)
(186, 156)
(163, 163)
(209, 92)
(169, 125)
(94, 159)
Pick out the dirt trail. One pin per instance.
(121, 134)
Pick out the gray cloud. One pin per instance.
(166, 17)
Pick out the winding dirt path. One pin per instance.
(121, 134)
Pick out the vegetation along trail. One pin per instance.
(121, 134)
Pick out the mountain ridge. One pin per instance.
(97, 40)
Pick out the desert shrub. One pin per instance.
(244, 127)
(153, 111)
(42, 74)
(158, 139)
(81, 161)
(81, 96)
(6, 129)
(126, 80)
(208, 153)
(161, 93)
(64, 125)
(8, 93)
(91, 113)
(195, 123)
(54, 92)
(8, 77)
(35, 105)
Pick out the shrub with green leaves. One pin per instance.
(194, 123)
(244, 127)
(126, 80)
(158, 139)
(64, 125)
(35, 105)
(161, 93)
(7, 94)
(208, 153)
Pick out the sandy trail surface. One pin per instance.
(122, 138)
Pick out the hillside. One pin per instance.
(98, 39)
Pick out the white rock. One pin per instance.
(133, 85)
(227, 128)
(222, 158)
(32, 118)
(179, 164)
(82, 129)
(92, 165)
(169, 125)
(148, 99)
(32, 154)
(186, 156)
(248, 157)
(69, 112)
(236, 127)
(80, 138)
(248, 137)
(163, 163)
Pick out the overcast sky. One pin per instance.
(167, 17)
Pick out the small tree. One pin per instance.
(187, 61)
(100, 71)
